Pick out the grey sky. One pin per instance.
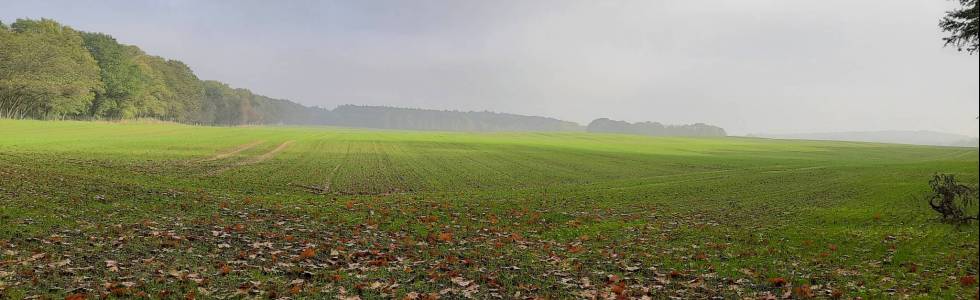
(750, 66)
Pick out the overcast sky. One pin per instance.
(749, 66)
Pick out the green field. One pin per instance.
(171, 211)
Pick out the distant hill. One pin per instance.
(974, 142)
(893, 136)
(384, 117)
(605, 125)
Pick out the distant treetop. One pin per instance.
(654, 129)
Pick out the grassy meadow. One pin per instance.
(159, 210)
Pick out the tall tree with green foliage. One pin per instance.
(153, 102)
(45, 72)
(125, 82)
(220, 104)
(185, 91)
(963, 26)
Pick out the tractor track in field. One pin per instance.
(325, 187)
(388, 164)
(231, 152)
(268, 155)
(255, 160)
(797, 169)
(714, 172)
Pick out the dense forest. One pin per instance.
(654, 129)
(51, 71)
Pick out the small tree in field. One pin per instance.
(950, 198)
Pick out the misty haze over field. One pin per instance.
(893, 137)
(776, 67)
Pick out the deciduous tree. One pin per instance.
(45, 72)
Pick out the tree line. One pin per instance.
(605, 125)
(426, 119)
(51, 71)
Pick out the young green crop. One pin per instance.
(184, 210)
